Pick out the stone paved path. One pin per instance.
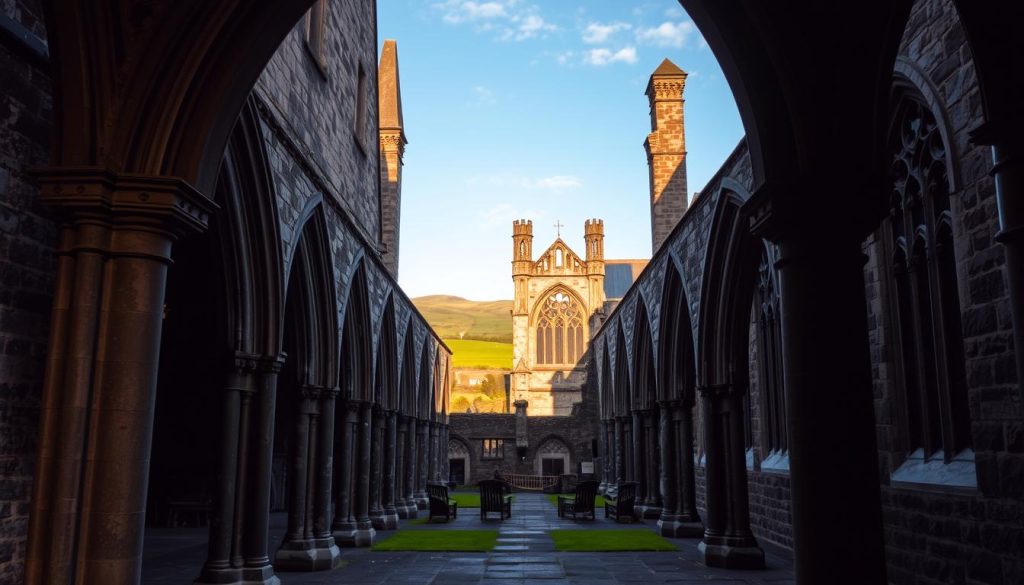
(524, 556)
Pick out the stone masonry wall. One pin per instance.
(27, 239)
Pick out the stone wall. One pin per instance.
(576, 432)
(27, 239)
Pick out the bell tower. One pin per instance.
(593, 237)
(522, 262)
(666, 150)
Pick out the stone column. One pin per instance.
(830, 406)
(99, 389)
(409, 469)
(303, 549)
(422, 458)
(390, 438)
(620, 449)
(728, 541)
(252, 526)
(325, 471)
(688, 523)
(652, 504)
(668, 478)
(433, 473)
(344, 525)
(638, 469)
(607, 461)
(365, 532)
(446, 471)
(376, 468)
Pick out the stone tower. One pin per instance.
(666, 150)
(558, 301)
(392, 147)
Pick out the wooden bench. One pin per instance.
(618, 503)
(440, 503)
(582, 504)
(495, 497)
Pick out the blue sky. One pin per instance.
(518, 109)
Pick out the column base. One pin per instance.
(726, 556)
(365, 534)
(650, 511)
(318, 554)
(234, 576)
(406, 511)
(345, 534)
(385, 521)
(673, 527)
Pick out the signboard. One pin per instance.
(586, 467)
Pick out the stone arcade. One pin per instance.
(837, 320)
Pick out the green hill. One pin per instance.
(457, 318)
(470, 353)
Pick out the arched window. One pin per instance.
(923, 274)
(769, 348)
(559, 330)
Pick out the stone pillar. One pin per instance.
(344, 526)
(620, 448)
(422, 458)
(652, 504)
(409, 469)
(443, 451)
(308, 544)
(1008, 174)
(252, 526)
(830, 406)
(432, 472)
(688, 523)
(99, 390)
(638, 469)
(388, 484)
(233, 557)
(668, 478)
(608, 458)
(728, 541)
(364, 533)
(376, 468)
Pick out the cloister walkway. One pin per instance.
(524, 555)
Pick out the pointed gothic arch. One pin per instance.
(645, 379)
(677, 359)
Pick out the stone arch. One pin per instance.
(387, 389)
(677, 371)
(555, 449)
(908, 78)
(621, 378)
(407, 392)
(173, 106)
(458, 450)
(425, 388)
(644, 380)
(356, 352)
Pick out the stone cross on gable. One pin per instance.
(558, 226)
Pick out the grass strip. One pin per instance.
(637, 539)
(440, 541)
(598, 500)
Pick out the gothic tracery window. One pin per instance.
(559, 330)
(927, 307)
(769, 346)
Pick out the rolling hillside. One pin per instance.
(457, 318)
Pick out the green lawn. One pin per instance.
(638, 539)
(467, 500)
(598, 500)
(440, 541)
(469, 353)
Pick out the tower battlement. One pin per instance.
(593, 227)
(522, 227)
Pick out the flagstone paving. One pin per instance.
(524, 555)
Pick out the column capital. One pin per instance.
(160, 203)
(271, 364)
(670, 404)
(329, 392)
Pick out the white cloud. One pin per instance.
(596, 32)
(483, 96)
(456, 11)
(564, 58)
(666, 34)
(559, 183)
(503, 214)
(601, 57)
(508, 19)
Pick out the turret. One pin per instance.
(522, 262)
(593, 236)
